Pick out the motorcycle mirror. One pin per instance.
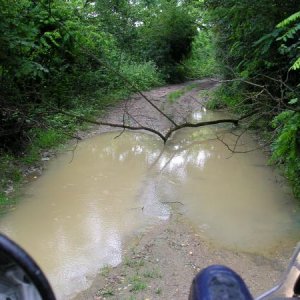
(289, 286)
(20, 276)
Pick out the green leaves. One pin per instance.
(290, 32)
(266, 41)
(144, 75)
(293, 101)
(166, 35)
(291, 19)
(202, 63)
(33, 69)
(296, 65)
(286, 145)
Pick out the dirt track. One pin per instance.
(161, 262)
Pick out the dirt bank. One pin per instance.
(161, 262)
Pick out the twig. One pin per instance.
(114, 124)
(167, 202)
(233, 151)
(73, 152)
(163, 137)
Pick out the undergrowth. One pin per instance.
(286, 146)
(225, 96)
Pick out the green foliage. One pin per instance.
(286, 148)
(3, 200)
(173, 96)
(237, 27)
(143, 75)
(166, 36)
(137, 284)
(42, 140)
(31, 156)
(105, 270)
(225, 96)
(6, 203)
(290, 38)
(202, 61)
(47, 61)
(118, 18)
(288, 21)
(9, 171)
(107, 292)
(152, 274)
(296, 65)
(289, 45)
(132, 263)
(48, 138)
(10, 175)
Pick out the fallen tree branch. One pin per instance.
(116, 125)
(207, 123)
(200, 124)
(156, 132)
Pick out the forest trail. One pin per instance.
(146, 115)
(161, 262)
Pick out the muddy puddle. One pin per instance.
(77, 215)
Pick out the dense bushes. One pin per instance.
(257, 47)
(167, 36)
(48, 51)
(144, 75)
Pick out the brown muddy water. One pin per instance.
(75, 218)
